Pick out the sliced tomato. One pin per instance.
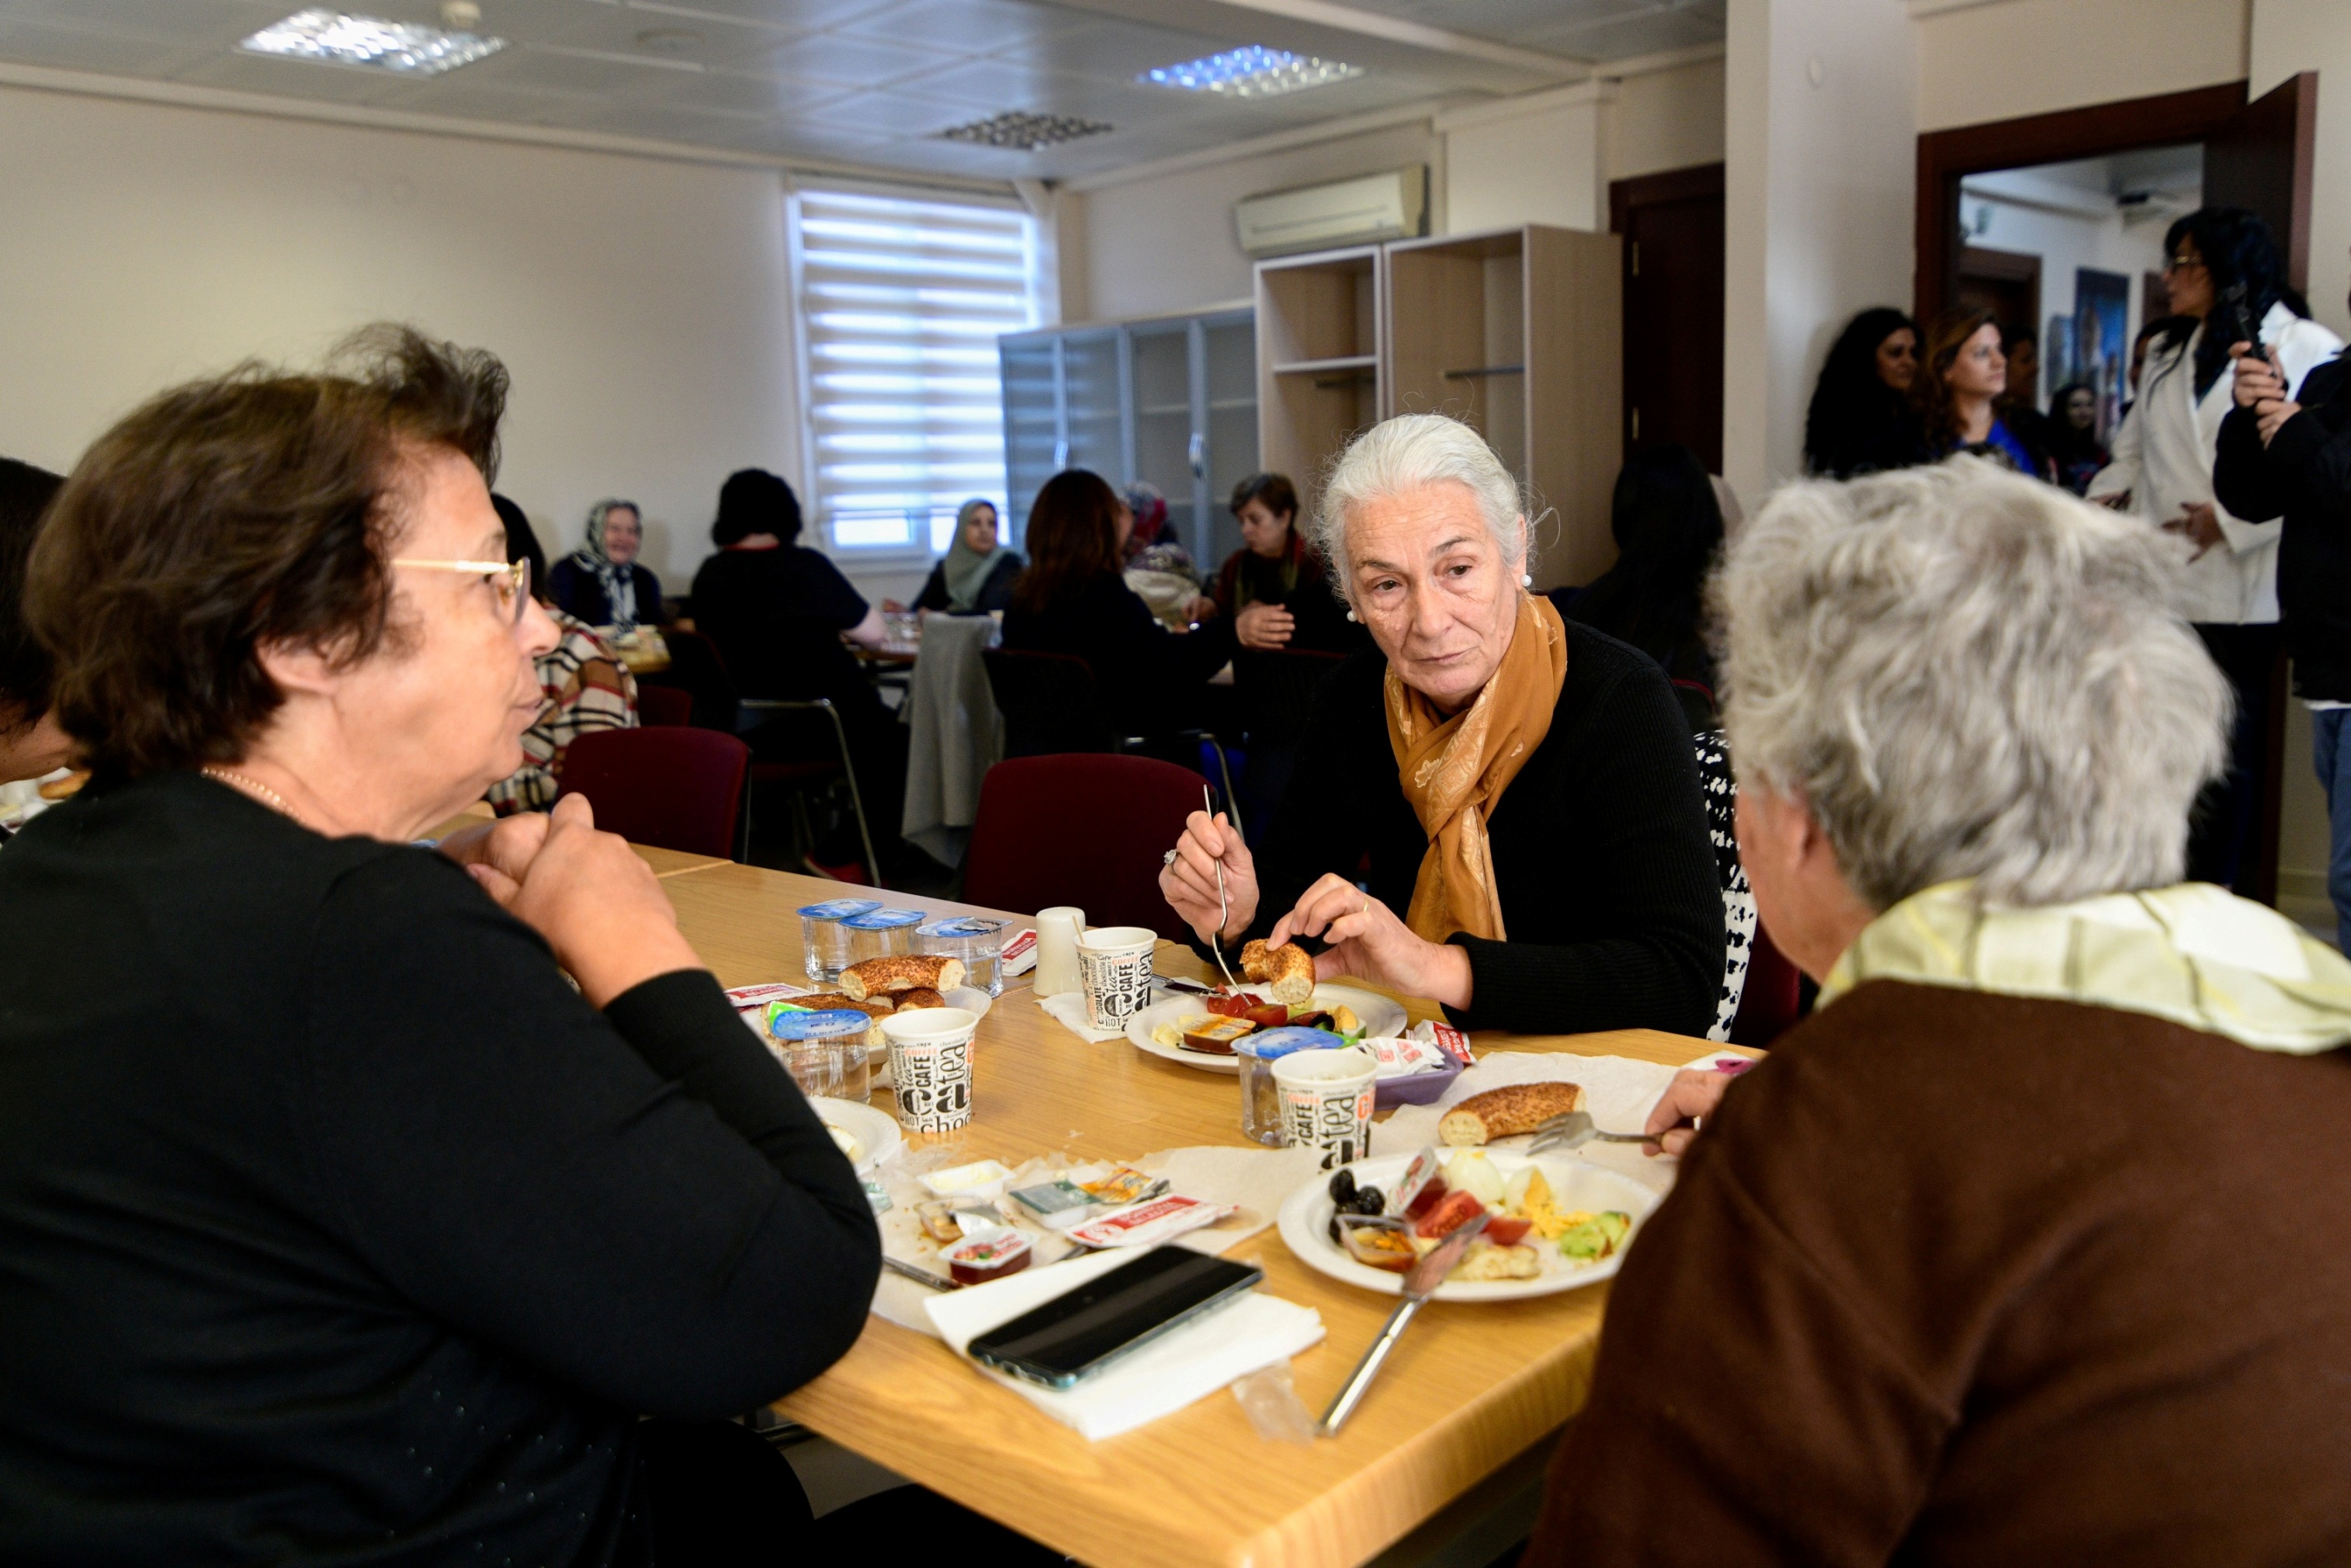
(1228, 1007)
(1426, 1199)
(1309, 1018)
(1504, 1231)
(1273, 1015)
(1456, 1209)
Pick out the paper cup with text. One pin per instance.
(1326, 1102)
(930, 1065)
(1115, 972)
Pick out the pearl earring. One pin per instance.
(1527, 580)
(1352, 616)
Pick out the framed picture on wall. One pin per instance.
(2102, 341)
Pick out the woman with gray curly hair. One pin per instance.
(1522, 788)
(2004, 1255)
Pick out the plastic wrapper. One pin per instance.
(1270, 1399)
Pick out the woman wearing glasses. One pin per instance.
(2228, 282)
(337, 1225)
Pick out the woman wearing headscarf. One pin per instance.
(601, 582)
(976, 574)
(1492, 808)
(1860, 420)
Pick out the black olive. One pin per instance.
(1368, 1200)
(1342, 1188)
(1336, 1239)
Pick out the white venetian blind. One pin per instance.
(900, 302)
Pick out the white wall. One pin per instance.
(1668, 120)
(1820, 126)
(1543, 159)
(1981, 62)
(642, 306)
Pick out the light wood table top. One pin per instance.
(1472, 1386)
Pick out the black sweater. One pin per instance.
(1149, 677)
(335, 1226)
(1608, 884)
(2303, 476)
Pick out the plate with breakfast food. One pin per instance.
(866, 1135)
(1277, 989)
(1553, 1222)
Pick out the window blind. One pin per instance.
(900, 302)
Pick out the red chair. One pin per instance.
(665, 707)
(673, 789)
(1768, 1007)
(1085, 828)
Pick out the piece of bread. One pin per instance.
(920, 996)
(1506, 1112)
(827, 1001)
(902, 972)
(1287, 972)
(1485, 1261)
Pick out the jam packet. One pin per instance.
(1149, 1224)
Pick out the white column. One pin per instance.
(2293, 35)
(1821, 139)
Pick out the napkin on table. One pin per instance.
(1068, 1010)
(1182, 1365)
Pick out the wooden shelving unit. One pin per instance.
(1319, 357)
(1518, 332)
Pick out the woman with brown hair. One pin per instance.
(1275, 589)
(338, 1223)
(1073, 598)
(1957, 389)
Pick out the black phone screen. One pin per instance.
(1077, 1331)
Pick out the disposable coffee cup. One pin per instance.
(1326, 1102)
(930, 1065)
(1115, 972)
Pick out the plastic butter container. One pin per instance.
(823, 942)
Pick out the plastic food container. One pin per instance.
(975, 939)
(823, 942)
(880, 932)
(824, 1051)
(1257, 1053)
(989, 1257)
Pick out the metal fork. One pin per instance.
(1572, 1130)
(1224, 906)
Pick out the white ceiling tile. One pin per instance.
(890, 114)
(997, 85)
(797, 13)
(1119, 51)
(740, 93)
(1607, 39)
(845, 61)
(551, 69)
(976, 27)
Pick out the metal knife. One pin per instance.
(1419, 1284)
(920, 1275)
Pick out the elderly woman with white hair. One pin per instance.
(1524, 790)
(2017, 1251)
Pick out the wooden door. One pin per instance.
(2259, 158)
(1673, 231)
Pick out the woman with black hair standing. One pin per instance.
(2073, 435)
(1860, 420)
(2228, 283)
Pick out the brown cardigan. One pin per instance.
(1958, 1278)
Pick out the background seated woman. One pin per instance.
(601, 583)
(976, 574)
(582, 686)
(1074, 600)
(1276, 590)
(2005, 1255)
(31, 744)
(337, 1224)
(1524, 788)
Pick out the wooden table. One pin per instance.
(1469, 1388)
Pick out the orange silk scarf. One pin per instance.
(1454, 770)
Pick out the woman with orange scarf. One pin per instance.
(1519, 792)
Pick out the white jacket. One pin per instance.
(2163, 459)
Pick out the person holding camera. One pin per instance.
(2285, 454)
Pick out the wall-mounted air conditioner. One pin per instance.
(1375, 207)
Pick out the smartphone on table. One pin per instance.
(1083, 1330)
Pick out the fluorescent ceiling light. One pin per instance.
(337, 38)
(1254, 71)
(1025, 131)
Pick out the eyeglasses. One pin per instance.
(2182, 262)
(511, 579)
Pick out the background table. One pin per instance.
(1472, 1387)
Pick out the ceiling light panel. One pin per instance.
(339, 38)
(1252, 71)
(1026, 132)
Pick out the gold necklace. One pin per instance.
(255, 788)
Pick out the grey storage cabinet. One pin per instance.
(1170, 400)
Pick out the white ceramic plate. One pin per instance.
(1305, 1222)
(1381, 1015)
(876, 1133)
